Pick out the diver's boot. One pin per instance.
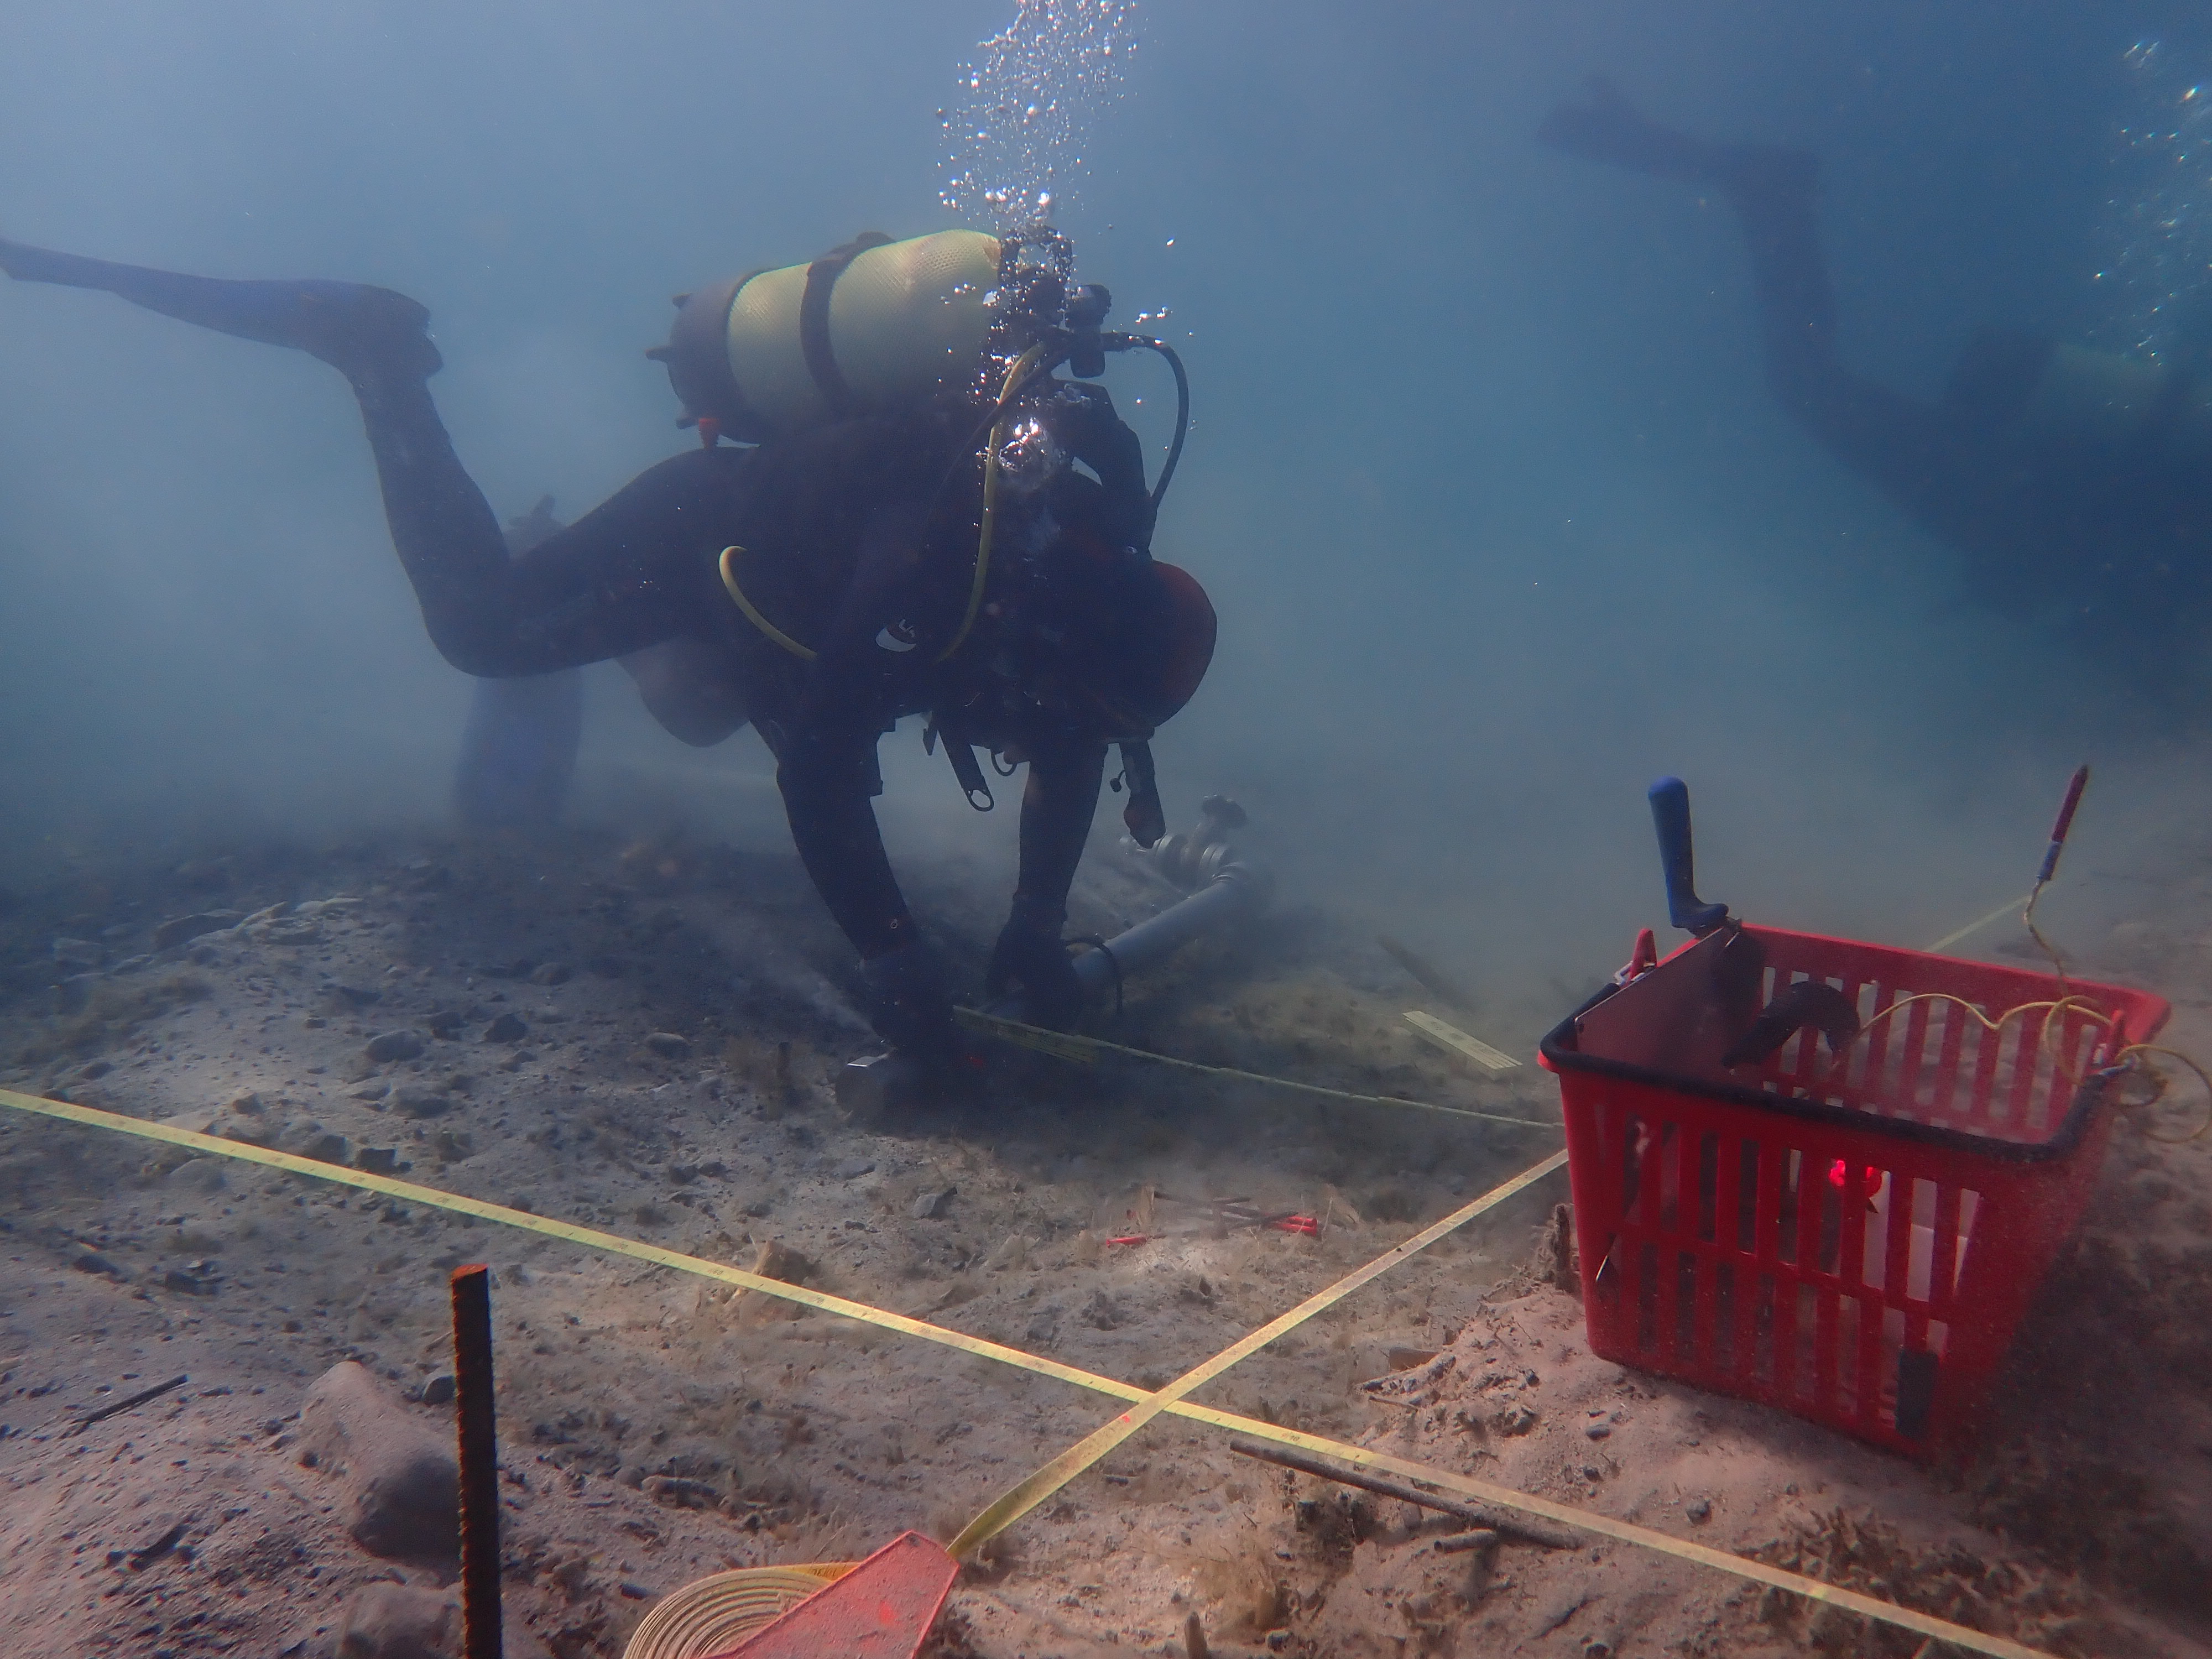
(369, 335)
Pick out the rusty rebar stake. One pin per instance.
(480, 1612)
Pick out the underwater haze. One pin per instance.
(1484, 480)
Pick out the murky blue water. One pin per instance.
(1500, 516)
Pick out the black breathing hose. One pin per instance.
(1130, 342)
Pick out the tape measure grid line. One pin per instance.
(1026, 1494)
(612, 1243)
(1070, 1045)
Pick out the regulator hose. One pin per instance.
(1032, 367)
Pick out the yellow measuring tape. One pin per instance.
(1025, 1495)
(1443, 1481)
(2010, 906)
(1069, 1045)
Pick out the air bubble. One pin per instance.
(1032, 95)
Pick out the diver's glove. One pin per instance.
(1082, 421)
(910, 1007)
(1033, 959)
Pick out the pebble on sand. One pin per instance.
(401, 1485)
(388, 1046)
(929, 1206)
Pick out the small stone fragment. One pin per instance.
(377, 1160)
(325, 1148)
(249, 1131)
(201, 1175)
(669, 1046)
(551, 973)
(399, 1621)
(249, 1101)
(1597, 1431)
(439, 1390)
(1514, 1420)
(677, 1493)
(852, 1169)
(422, 1100)
(929, 1206)
(1699, 1509)
(507, 1028)
(402, 1484)
(389, 1046)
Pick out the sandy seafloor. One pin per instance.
(655, 1429)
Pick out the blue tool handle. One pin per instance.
(1670, 817)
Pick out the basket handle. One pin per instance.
(1670, 817)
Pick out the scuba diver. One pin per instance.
(902, 529)
(2077, 485)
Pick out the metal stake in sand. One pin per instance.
(479, 1461)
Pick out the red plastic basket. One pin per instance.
(1853, 1237)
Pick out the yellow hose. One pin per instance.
(1014, 376)
(752, 612)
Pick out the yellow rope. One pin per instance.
(2158, 1094)
(1069, 1045)
(1976, 924)
(752, 612)
(2045, 1041)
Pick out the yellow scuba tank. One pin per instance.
(871, 325)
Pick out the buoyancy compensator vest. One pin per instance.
(878, 324)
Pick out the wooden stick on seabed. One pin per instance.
(1529, 1532)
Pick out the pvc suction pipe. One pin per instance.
(1238, 889)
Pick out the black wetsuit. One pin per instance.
(2108, 543)
(842, 554)
(857, 540)
(2105, 540)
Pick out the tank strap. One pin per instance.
(962, 753)
(973, 784)
(814, 320)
